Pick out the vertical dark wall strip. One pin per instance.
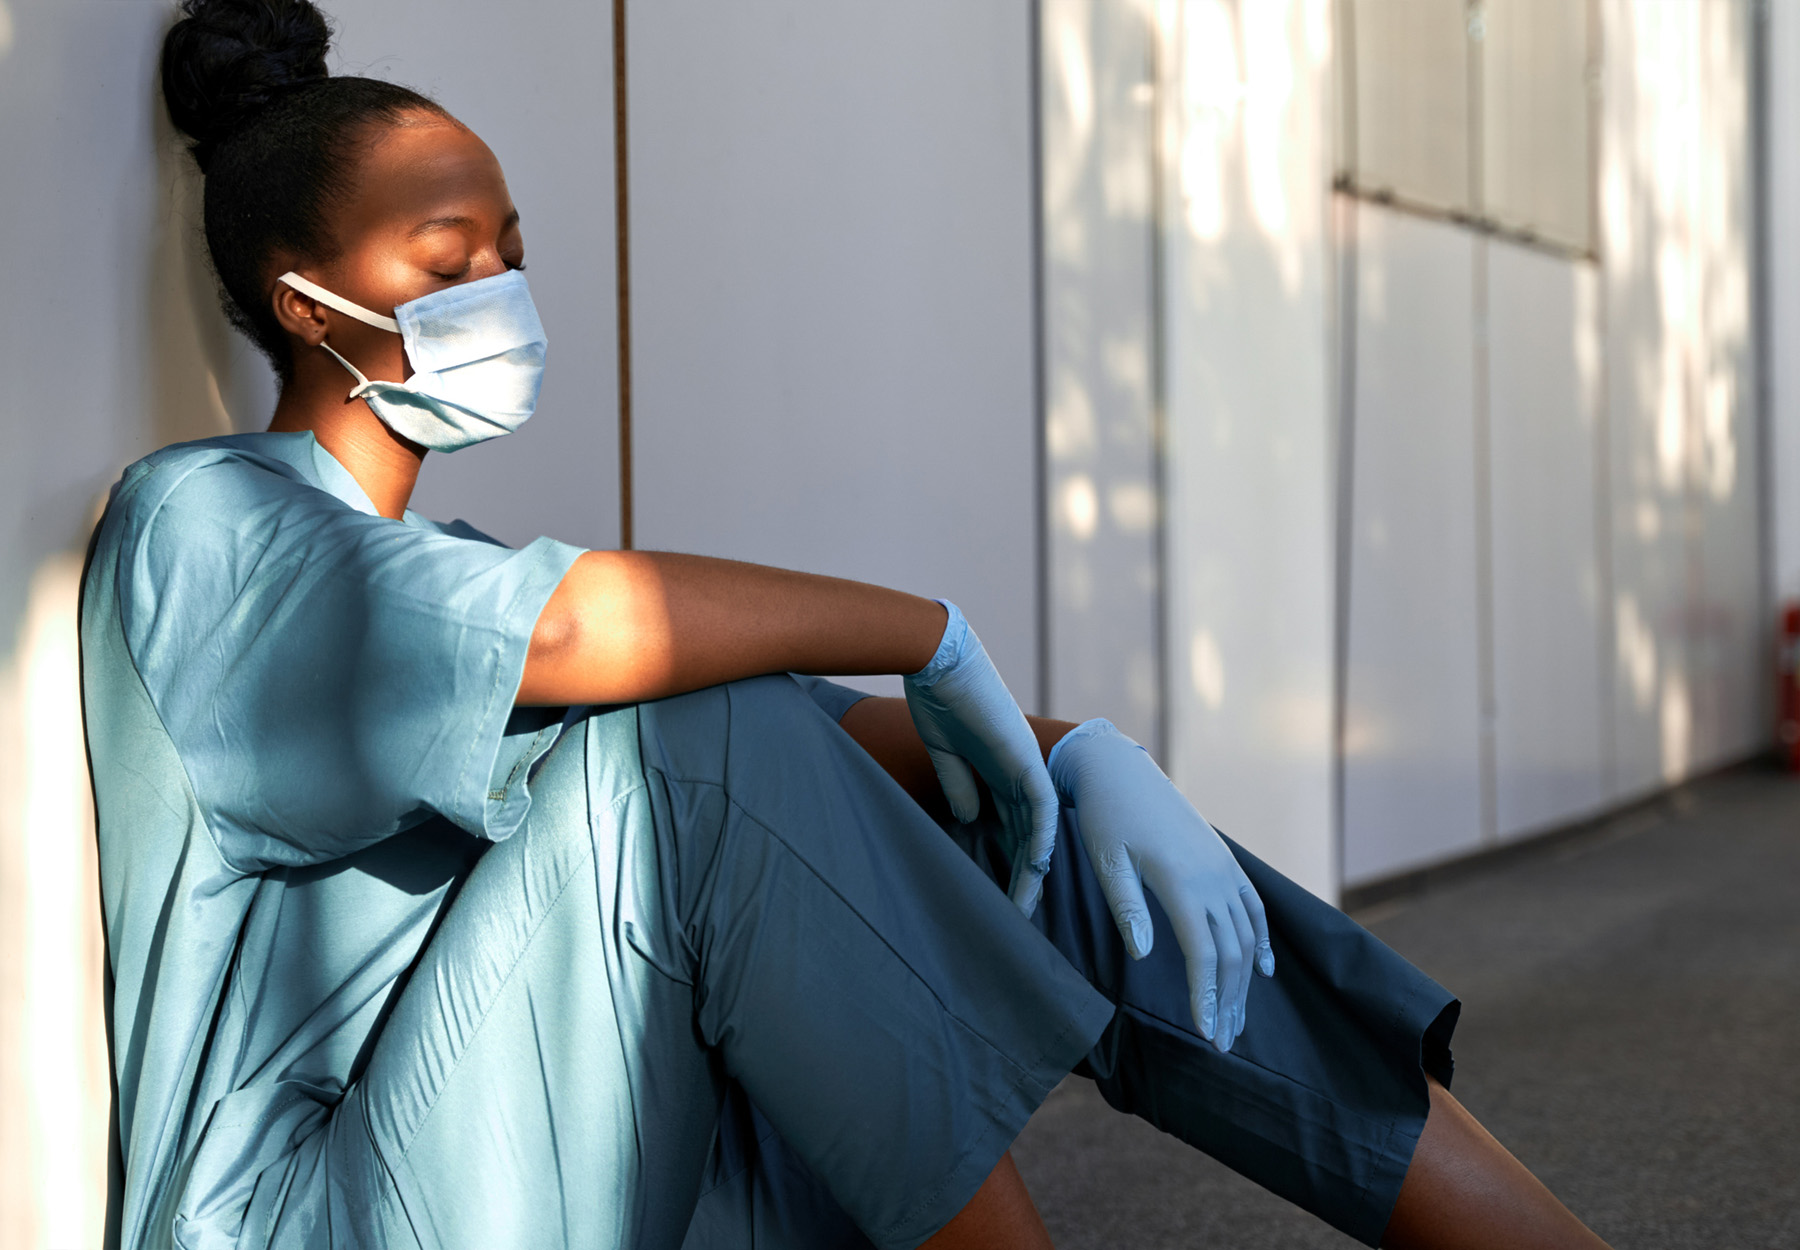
(622, 233)
(1760, 260)
(1159, 382)
(1039, 353)
(1487, 696)
(1488, 711)
(1345, 211)
(1602, 401)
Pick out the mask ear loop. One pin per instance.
(362, 384)
(332, 300)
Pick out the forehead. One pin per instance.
(423, 168)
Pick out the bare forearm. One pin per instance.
(884, 728)
(631, 625)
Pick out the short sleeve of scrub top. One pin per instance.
(329, 676)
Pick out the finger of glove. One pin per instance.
(1246, 943)
(1231, 969)
(1027, 882)
(1259, 925)
(1042, 813)
(1196, 939)
(958, 782)
(1124, 894)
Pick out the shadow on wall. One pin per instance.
(195, 377)
(204, 378)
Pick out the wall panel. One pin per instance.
(1412, 772)
(1544, 390)
(833, 313)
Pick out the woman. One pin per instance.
(463, 896)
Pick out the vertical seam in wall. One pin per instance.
(1484, 547)
(622, 276)
(1159, 388)
(1484, 506)
(1605, 571)
(1039, 357)
(1767, 592)
(1346, 215)
(1693, 519)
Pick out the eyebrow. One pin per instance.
(458, 223)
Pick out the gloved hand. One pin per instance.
(970, 724)
(1138, 831)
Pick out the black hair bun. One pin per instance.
(225, 60)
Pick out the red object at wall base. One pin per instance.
(1787, 699)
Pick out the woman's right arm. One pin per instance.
(625, 626)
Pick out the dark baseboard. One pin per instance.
(1669, 801)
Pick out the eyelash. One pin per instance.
(452, 277)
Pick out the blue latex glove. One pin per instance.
(969, 723)
(1138, 831)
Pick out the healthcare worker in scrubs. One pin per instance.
(463, 896)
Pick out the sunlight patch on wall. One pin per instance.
(1207, 668)
(1211, 90)
(54, 1023)
(1637, 651)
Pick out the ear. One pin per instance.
(300, 315)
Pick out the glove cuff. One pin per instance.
(951, 648)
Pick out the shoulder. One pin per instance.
(215, 472)
(187, 523)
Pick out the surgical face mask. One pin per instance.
(477, 352)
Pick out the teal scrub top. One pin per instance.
(301, 728)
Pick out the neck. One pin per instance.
(384, 464)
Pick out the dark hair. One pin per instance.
(276, 137)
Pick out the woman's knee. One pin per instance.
(695, 736)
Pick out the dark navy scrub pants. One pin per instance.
(730, 986)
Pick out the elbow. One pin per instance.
(552, 658)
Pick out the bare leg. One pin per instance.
(1465, 1191)
(999, 1217)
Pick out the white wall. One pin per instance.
(1249, 398)
(1412, 733)
(1551, 757)
(1610, 557)
(832, 297)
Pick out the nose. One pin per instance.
(486, 265)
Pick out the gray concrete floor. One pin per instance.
(1630, 1030)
